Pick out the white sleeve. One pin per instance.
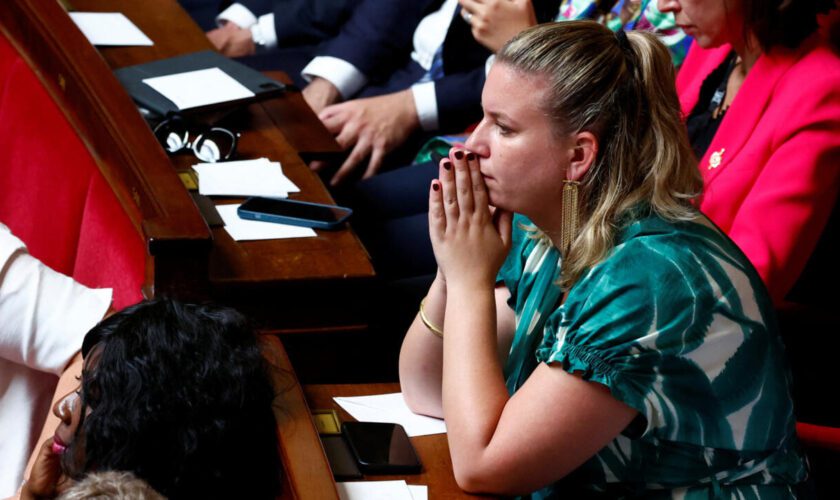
(265, 25)
(44, 315)
(239, 15)
(489, 64)
(425, 102)
(346, 77)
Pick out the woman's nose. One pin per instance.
(476, 143)
(63, 408)
(666, 6)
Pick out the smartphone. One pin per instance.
(296, 213)
(381, 448)
(342, 461)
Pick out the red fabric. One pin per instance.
(110, 253)
(52, 195)
(45, 171)
(819, 436)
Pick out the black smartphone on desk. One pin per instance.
(296, 213)
(342, 461)
(381, 448)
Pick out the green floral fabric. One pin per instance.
(677, 324)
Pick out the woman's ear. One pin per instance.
(584, 153)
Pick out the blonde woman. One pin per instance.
(607, 335)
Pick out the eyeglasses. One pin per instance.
(208, 144)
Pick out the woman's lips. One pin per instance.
(58, 446)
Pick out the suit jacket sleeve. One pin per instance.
(377, 37)
(308, 22)
(459, 99)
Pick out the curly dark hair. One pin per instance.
(783, 22)
(180, 395)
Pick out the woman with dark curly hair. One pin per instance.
(761, 90)
(177, 394)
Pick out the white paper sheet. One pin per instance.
(243, 230)
(109, 28)
(419, 492)
(390, 408)
(244, 178)
(374, 490)
(199, 88)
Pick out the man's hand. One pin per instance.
(494, 22)
(232, 40)
(320, 93)
(372, 126)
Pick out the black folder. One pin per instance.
(146, 97)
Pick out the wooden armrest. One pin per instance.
(307, 473)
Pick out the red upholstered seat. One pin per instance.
(53, 195)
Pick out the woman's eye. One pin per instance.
(502, 129)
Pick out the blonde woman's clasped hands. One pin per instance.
(470, 239)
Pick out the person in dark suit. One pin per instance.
(278, 34)
(403, 68)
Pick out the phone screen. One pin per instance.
(381, 448)
(295, 209)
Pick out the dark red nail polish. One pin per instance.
(459, 154)
(447, 164)
(470, 156)
(436, 186)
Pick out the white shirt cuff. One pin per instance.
(346, 78)
(269, 33)
(425, 102)
(239, 15)
(489, 64)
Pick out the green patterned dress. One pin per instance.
(677, 324)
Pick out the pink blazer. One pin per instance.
(772, 171)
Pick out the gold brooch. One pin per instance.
(716, 158)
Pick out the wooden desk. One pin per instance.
(433, 450)
(307, 473)
(293, 285)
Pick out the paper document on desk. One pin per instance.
(418, 492)
(199, 88)
(109, 28)
(259, 177)
(390, 408)
(246, 230)
(379, 490)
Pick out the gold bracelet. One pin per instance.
(431, 326)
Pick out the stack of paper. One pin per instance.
(242, 230)
(381, 490)
(390, 408)
(259, 177)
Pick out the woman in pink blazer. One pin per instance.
(761, 93)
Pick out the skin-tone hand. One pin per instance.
(232, 40)
(494, 22)
(320, 93)
(45, 479)
(373, 127)
(470, 242)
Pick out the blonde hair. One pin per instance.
(623, 92)
(111, 485)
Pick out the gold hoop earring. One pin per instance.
(569, 219)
